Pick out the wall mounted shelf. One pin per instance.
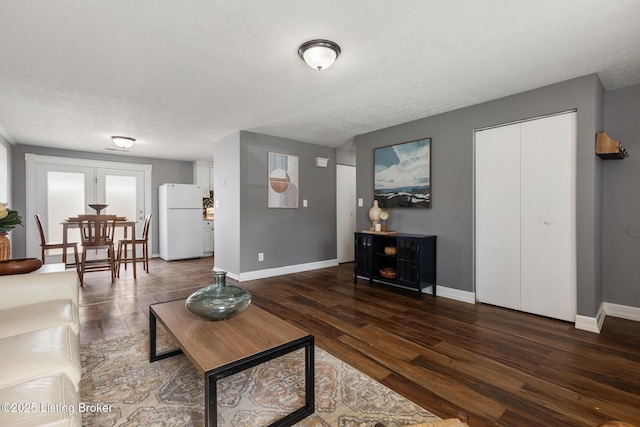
(609, 149)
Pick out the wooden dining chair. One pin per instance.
(96, 232)
(48, 246)
(143, 241)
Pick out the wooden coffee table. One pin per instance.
(222, 348)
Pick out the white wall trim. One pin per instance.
(441, 291)
(621, 311)
(279, 271)
(456, 294)
(590, 324)
(594, 324)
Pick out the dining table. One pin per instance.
(121, 222)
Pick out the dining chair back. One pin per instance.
(45, 246)
(122, 257)
(96, 232)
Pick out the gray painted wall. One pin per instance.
(621, 218)
(162, 171)
(451, 217)
(285, 236)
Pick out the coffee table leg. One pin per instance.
(153, 341)
(210, 401)
(211, 380)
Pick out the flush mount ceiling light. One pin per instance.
(123, 141)
(319, 54)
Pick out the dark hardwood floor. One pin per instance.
(504, 367)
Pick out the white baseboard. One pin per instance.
(594, 324)
(621, 311)
(441, 291)
(456, 294)
(279, 271)
(589, 324)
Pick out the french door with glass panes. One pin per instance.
(65, 190)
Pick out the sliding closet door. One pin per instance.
(548, 246)
(498, 216)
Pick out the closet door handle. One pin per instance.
(547, 221)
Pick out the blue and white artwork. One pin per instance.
(403, 175)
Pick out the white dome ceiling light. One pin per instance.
(123, 141)
(319, 54)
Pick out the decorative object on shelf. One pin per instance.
(218, 301)
(19, 266)
(283, 181)
(319, 54)
(9, 219)
(374, 216)
(384, 216)
(388, 273)
(609, 149)
(402, 176)
(391, 250)
(123, 142)
(97, 207)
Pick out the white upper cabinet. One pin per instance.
(203, 176)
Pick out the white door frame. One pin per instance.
(31, 168)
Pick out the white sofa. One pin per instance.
(39, 350)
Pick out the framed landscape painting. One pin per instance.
(402, 175)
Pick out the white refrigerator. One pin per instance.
(180, 221)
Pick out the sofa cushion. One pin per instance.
(19, 289)
(39, 354)
(41, 315)
(50, 401)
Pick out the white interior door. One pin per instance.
(123, 191)
(345, 211)
(59, 188)
(548, 234)
(497, 198)
(63, 191)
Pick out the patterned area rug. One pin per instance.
(116, 372)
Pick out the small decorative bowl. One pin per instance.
(388, 273)
(390, 250)
(19, 266)
(97, 207)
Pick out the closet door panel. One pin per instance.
(548, 248)
(498, 216)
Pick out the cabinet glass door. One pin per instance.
(364, 253)
(407, 260)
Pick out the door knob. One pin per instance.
(547, 221)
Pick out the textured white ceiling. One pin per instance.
(179, 75)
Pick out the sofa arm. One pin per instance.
(22, 289)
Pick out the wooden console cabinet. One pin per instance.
(414, 260)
